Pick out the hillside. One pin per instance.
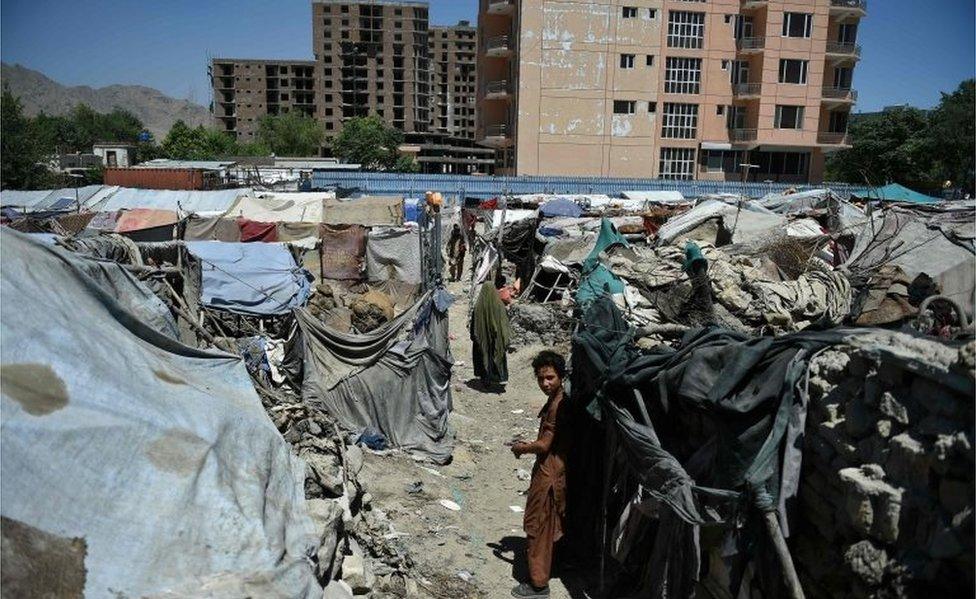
(156, 110)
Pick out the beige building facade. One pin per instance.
(719, 90)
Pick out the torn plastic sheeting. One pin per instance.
(656, 197)
(368, 211)
(138, 219)
(511, 216)
(162, 199)
(393, 253)
(560, 207)
(251, 278)
(212, 228)
(277, 207)
(398, 386)
(343, 251)
(747, 223)
(153, 503)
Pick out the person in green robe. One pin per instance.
(490, 336)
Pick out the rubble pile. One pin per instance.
(360, 554)
(886, 494)
(539, 324)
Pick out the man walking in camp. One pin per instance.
(490, 335)
(545, 506)
(456, 249)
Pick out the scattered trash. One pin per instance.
(522, 474)
(516, 508)
(372, 439)
(431, 471)
(415, 488)
(465, 575)
(447, 503)
(459, 364)
(518, 411)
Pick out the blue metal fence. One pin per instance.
(459, 186)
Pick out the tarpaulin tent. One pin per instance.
(251, 278)
(212, 228)
(147, 224)
(746, 223)
(281, 207)
(369, 211)
(893, 192)
(393, 253)
(179, 201)
(343, 252)
(133, 465)
(560, 207)
(395, 379)
(50, 199)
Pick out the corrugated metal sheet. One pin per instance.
(487, 187)
(157, 178)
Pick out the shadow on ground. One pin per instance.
(511, 550)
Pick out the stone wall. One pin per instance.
(885, 505)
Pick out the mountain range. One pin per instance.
(156, 110)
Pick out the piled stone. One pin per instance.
(539, 324)
(359, 554)
(886, 494)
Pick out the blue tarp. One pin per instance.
(252, 278)
(894, 192)
(413, 209)
(561, 207)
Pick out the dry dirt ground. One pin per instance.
(482, 543)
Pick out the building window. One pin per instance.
(797, 24)
(722, 161)
(686, 29)
(843, 77)
(650, 60)
(680, 121)
(792, 71)
(682, 75)
(838, 122)
(847, 33)
(720, 109)
(626, 61)
(677, 163)
(735, 117)
(651, 13)
(652, 107)
(630, 12)
(781, 163)
(789, 117)
(623, 107)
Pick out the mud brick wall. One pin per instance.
(885, 505)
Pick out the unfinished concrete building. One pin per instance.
(244, 90)
(723, 90)
(452, 53)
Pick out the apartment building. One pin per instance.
(452, 54)
(244, 90)
(675, 89)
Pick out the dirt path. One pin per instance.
(479, 542)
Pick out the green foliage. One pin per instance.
(21, 152)
(918, 149)
(290, 134)
(184, 143)
(369, 142)
(951, 133)
(406, 164)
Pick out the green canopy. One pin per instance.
(894, 192)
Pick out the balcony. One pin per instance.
(854, 8)
(501, 7)
(497, 136)
(748, 45)
(746, 90)
(496, 90)
(826, 138)
(843, 50)
(839, 95)
(498, 46)
(739, 136)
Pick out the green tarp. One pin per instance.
(894, 192)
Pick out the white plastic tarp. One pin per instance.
(47, 198)
(286, 207)
(656, 197)
(183, 201)
(511, 216)
(748, 222)
(133, 465)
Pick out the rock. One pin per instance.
(883, 427)
(908, 461)
(356, 571)
(936, 398)
(867, 562)
(858, 419)
(891, 407)
(872, 505)
(338, 589)
(323, 474)
(354, 460)
(954, 495)
(326, 515)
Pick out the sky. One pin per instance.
(912, 50)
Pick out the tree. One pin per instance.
(21, 152)
(951, 136)
(290, 134)
(370, 142)
(888, 146)
(184, 143)
(406, 164)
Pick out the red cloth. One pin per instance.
(489, 204)
(252, 230)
